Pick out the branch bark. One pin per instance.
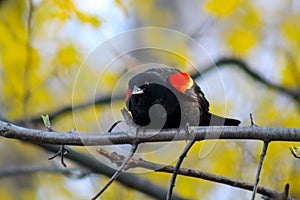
(140, 135)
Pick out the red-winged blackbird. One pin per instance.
(168, 98)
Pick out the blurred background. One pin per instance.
(58, 54)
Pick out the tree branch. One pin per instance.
(14, 171)
(261, 160)
(230, 61)
(118, 172)
(177, 167)
(99, 101)
(9, 130)
(134, 163)
(126, 179)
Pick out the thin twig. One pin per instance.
(202, 28)
(128, 180)
(177, 167)
(114, 157)
(63, 151)
(118, 172)
(27, 63)
(114, 125)
(286, 191)
(295, 151)
(252, 120)
(135, 163)
(261, 160)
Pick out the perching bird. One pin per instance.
(165, 97)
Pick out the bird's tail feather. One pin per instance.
(214, 120)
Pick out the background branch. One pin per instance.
(242, 65)
(126, 179)
(134, 163)
(219, 63)
(68, 109)
(22, 170)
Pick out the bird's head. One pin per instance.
(140, 84)
(170, 78)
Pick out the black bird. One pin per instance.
(165, 97)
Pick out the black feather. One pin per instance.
(161, 103)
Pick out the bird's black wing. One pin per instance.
(201, 98)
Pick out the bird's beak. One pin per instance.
(137, 90)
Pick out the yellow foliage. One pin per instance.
(66, 5)
(108, 80)
(12, 19)
(277, 177)
(187, 187)
(61, 15)
(5, 35)
(13, 67)
(290, 28)
(167, 51)
(14, 58)
(228, 157)
(65, 10)
(288, 75)
(291, 120)
(251, 17)
(28, 194)
(222, 8)
(4, 194)
(67, 56)
(293, 179)
(85, 18)
(241, 40)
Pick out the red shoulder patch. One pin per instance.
(127, 94)
(181, 81)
